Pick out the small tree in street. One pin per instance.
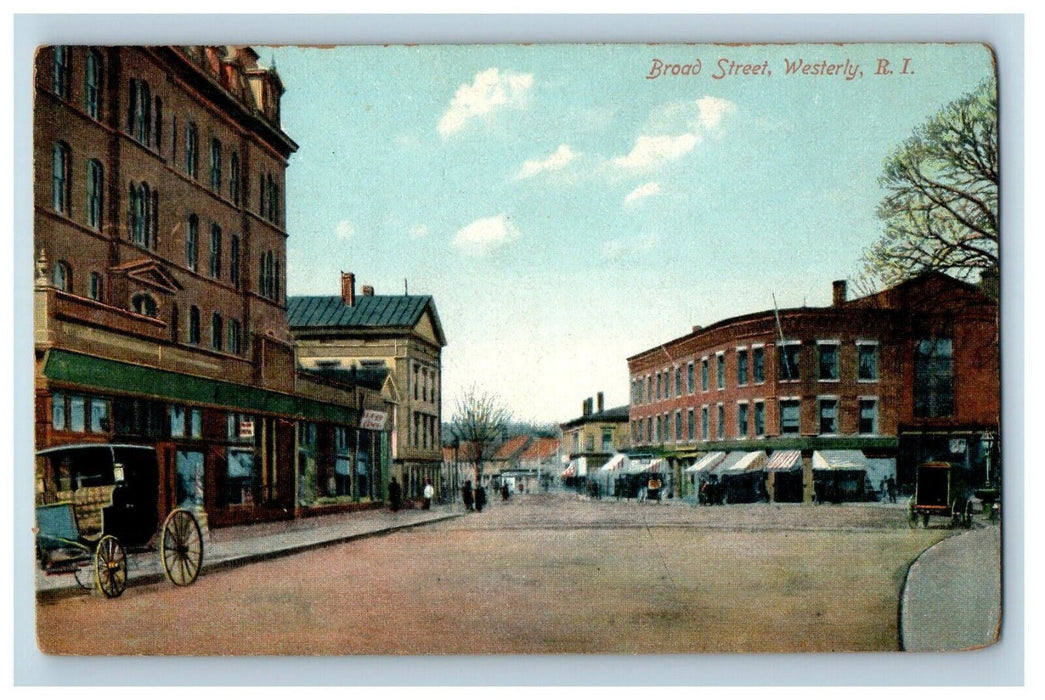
(481, 420)
(941, 209)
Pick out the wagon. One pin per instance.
(105, 507)
(940, 489)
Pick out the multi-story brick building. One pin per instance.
(160, 316)
(400, 333)
(910, 373)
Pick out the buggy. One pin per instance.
(940, 489)
(106, 505)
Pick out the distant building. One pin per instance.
(159, 308)
(399, 333)
(902, 376)
(590, 440)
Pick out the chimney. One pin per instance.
(838, 287)
(368, 291)
(600, 401)
(586, 407)
(348, 288)
(697, 328)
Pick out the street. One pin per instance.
(549, 573)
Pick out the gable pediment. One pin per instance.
(150, 274)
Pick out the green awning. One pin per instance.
(102, 374)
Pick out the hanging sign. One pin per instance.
(246, 428)
(373, 420)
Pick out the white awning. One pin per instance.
(656, 465)
(784, 461)
(839, 460)
(738, 462)
(637, 466)
(619, 461)
(706, 463)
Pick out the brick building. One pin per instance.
(907, 374)
(400, 334)
(159, 302)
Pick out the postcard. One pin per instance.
(516, 349)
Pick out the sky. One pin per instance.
(567, 210)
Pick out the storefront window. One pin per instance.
(240, 477)
(58, 411)
(99, 415)
(190, 480)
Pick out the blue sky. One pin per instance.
(567, 212)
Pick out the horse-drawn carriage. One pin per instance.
(941, 489)
(105, 504)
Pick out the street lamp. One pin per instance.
(988, 440)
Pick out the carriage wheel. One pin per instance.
(181, 548)
(110, 567)
(912, 514)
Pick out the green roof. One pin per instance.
(99, 373)
(368, 312)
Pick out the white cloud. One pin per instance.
(418, 231)
(642, 191)
(650, 152)
(344, 230)
(485, 235)
(490, 90)
(636, 245)
(712, 109)
(556, 161)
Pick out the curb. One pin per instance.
(56, 594)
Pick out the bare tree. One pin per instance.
(480, 420)
(941, 209)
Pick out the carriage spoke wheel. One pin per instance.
(110, 567)
(181, 548)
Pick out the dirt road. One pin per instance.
(541, 574)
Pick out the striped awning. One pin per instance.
(839, 460)
(568, 472)
(785, 461)
(706, 463)
(618, 461)
(739, 462)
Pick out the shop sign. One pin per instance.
(373, 420)
(246, 428)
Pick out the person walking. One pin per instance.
(466, 495)
(429, 493)
(480, 498)
(395, 495)
(504, 491)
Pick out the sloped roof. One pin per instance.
(512, 447)
(931, 288)
(618, 414)
(541, 448)
(368, 312)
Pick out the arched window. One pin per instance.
(144, 304)
(60, 177)
(192, 242)
(139, 106)
(215, 165)
(215, 251)
(158, 130)
(61, 71)
(217, 331)
(94, 194)
(97, 290)
(194, 326)
(141, 220)
(92, 83)
(63, 276)
(175, 318)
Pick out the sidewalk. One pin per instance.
(236, 546)
(952, 597)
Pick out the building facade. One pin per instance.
(159, 301)
(591, 440)
(399, 333)
(908, 374)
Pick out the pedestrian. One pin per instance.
(429, 493)
(466, 495)
(395, 495)
(504, 491)
(890, 485)
(480, 498)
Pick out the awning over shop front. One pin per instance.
(839, 460)
(568, 472)
(740, 462)
(706, 464)
(103, 374)
(784, 461)
(577, 467)
(657, 465)
(619, 461)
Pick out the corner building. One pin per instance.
(159, 301)
(905, 375)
